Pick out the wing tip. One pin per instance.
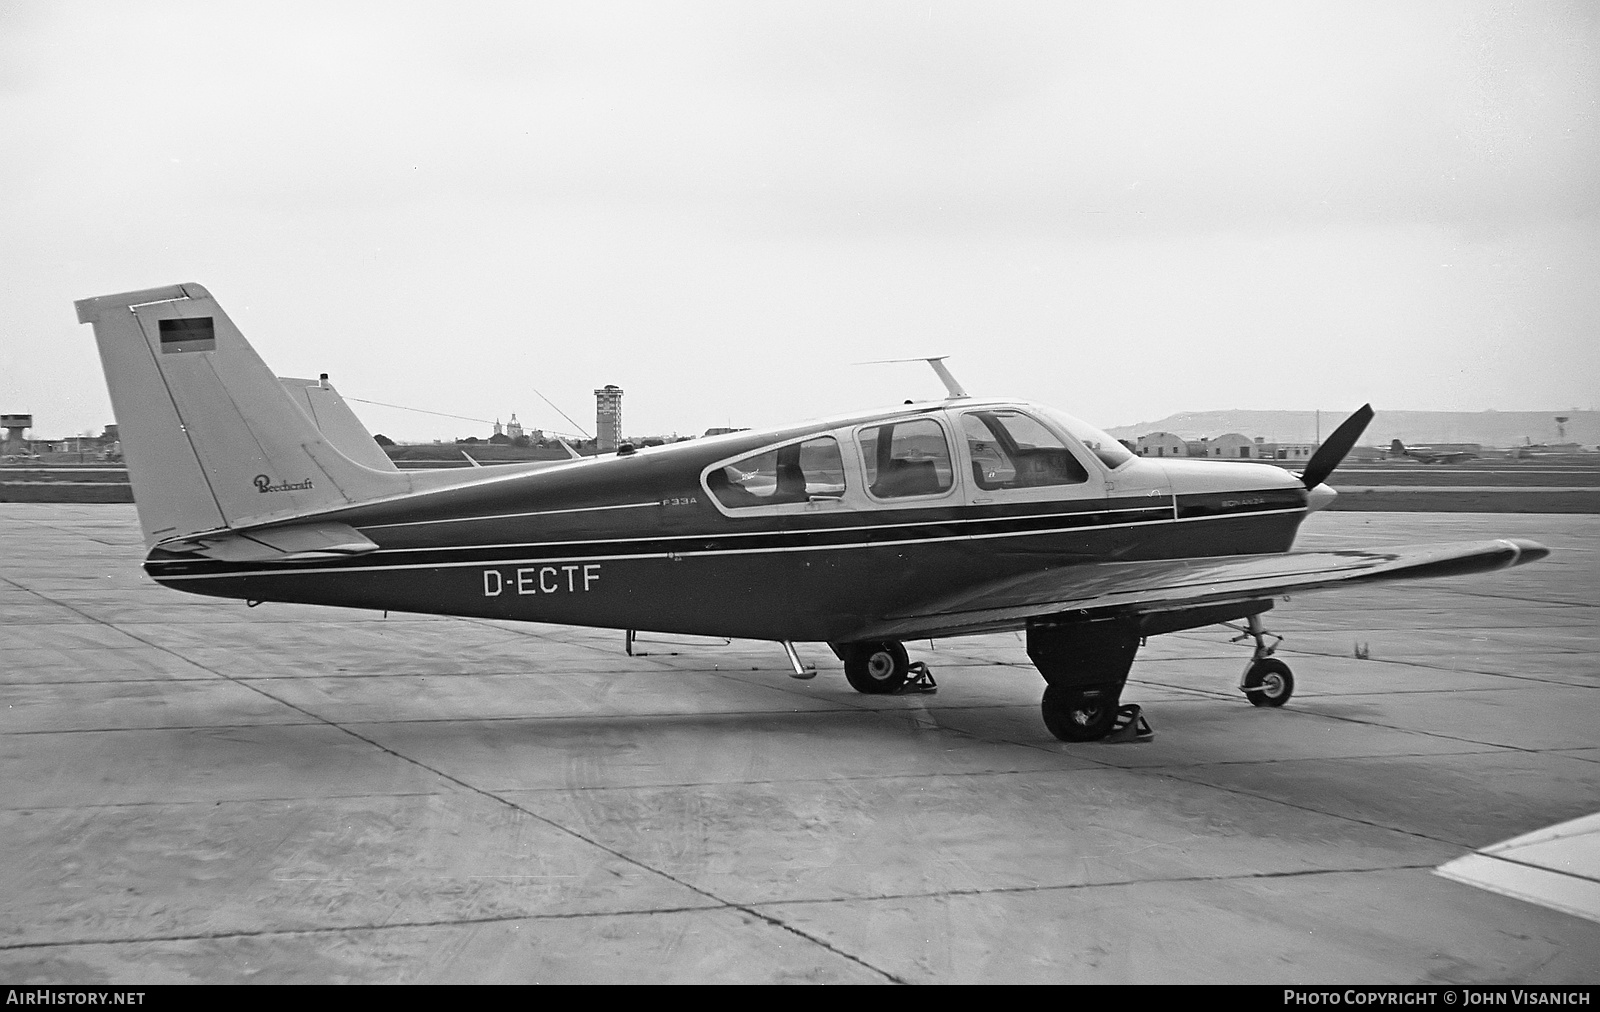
(1524, 550)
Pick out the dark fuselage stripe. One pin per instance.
(509, 516)
(622, 555)
(1087, 518)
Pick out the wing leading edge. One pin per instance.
(1181, 584)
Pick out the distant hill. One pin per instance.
(1491, 428)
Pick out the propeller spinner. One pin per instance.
(1335, 447)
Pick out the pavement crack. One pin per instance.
(1109, 884)
(445, 922)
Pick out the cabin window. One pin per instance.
(1012, 450)
(906, 458)
(789, 474)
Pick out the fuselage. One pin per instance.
(806, 532)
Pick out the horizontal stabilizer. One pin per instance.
(297, 543)
(337, 423)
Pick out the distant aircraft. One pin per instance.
(1428, 455)
(931, 519)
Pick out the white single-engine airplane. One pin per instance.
(941, 518)
(1428, 455)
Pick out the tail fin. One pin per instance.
(1396, 448)
(212, 439)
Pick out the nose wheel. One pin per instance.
(1267, 681)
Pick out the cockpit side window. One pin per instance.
(906, 458)
(1012, 450)
(788, 474)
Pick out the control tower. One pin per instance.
(15, 426)
(608, 417)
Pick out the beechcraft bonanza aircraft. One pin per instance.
(933, 519)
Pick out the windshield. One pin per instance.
(1111, 453)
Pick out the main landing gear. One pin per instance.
(1085, 665)
(883, 667)
(1267, 681)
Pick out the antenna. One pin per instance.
(937, 361)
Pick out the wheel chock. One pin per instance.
(918, 680)
(1130, 726)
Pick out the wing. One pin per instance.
(1198, 585)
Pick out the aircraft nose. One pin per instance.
(1319, 497)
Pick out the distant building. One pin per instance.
(1162, 444)
(608, 417)
(1232, 446)
(1286, 451)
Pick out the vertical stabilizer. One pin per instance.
(212, 439)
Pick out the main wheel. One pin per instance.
(876, 668)
(1078, 714)
(1268, 683)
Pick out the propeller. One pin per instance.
(1333, 449)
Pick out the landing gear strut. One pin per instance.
(1266, 681)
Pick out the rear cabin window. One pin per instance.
(789, 474)
(1012, 450)
(906, 458)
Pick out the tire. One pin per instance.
(1268, 683)
(1071, 715)
(876, 668)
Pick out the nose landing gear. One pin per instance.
(1266, 681)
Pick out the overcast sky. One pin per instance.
(1124, 210)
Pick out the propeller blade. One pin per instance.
(1333, 449)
